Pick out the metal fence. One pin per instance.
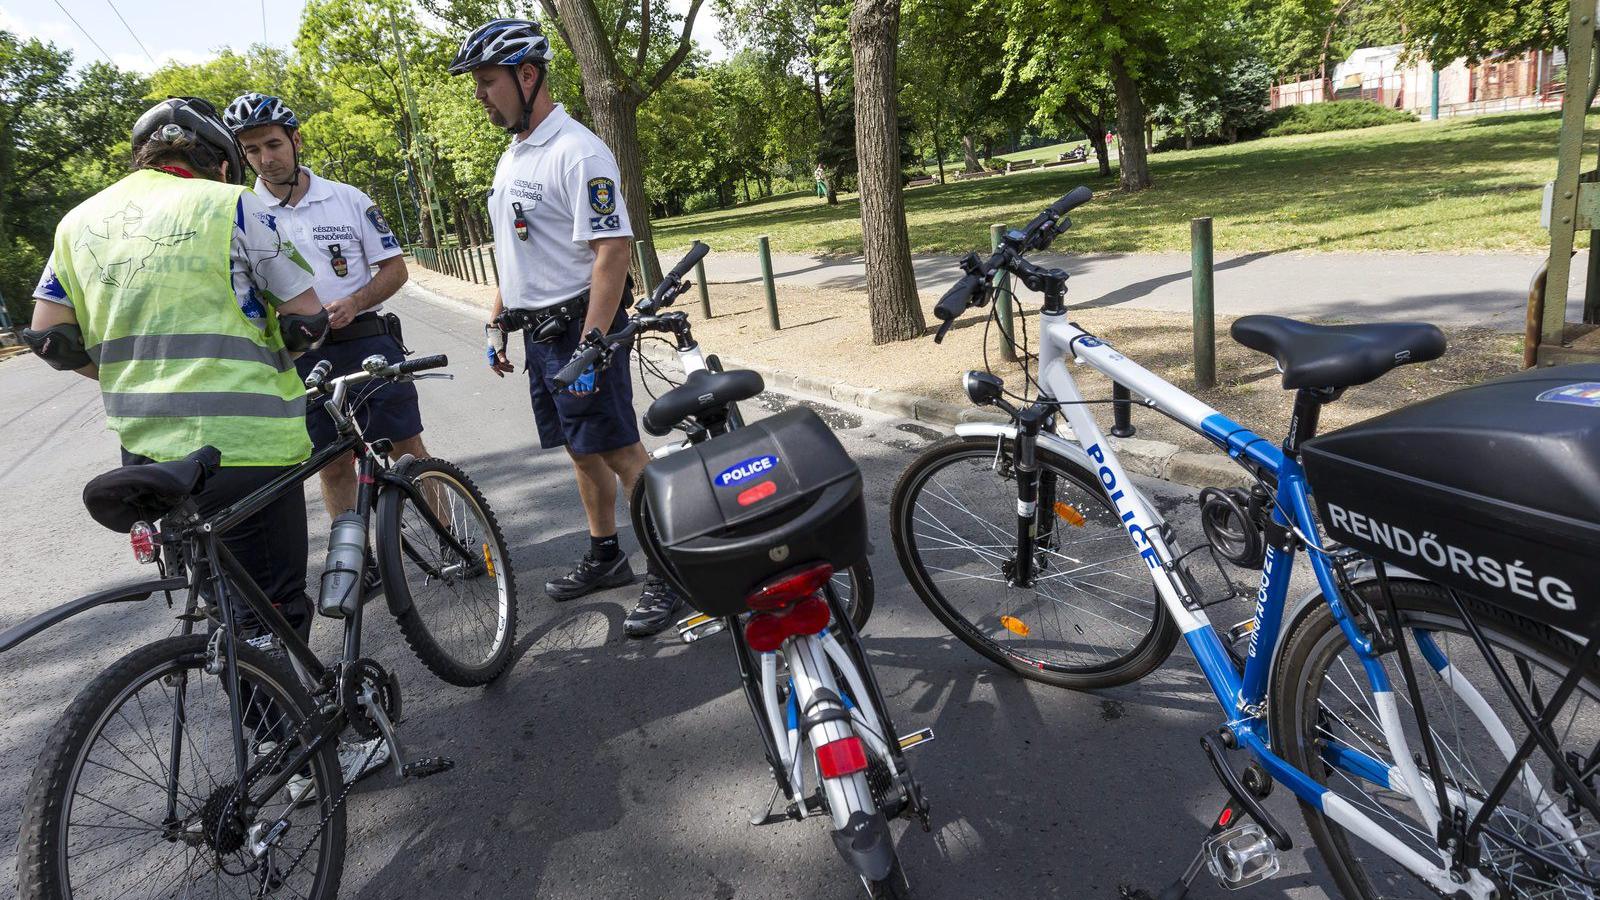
(474, 264)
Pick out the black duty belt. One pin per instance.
(550, 322)
(363, 326)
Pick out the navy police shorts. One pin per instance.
(390, 409)
(595, 423)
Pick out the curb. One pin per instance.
(1156, 459)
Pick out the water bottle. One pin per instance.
(341, 575)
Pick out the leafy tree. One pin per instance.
(1447, 29)
(63, 136)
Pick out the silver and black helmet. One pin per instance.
(503, 42)
(254, 110)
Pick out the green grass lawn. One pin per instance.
(1461, 184)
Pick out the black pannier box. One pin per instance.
(734, 511)
(1493, 490)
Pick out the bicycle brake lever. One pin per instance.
(938, 336)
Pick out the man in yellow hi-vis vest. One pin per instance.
(174, 290)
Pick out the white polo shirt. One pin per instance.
(334, 223)
(552, 194)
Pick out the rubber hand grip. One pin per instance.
(438, 361)
(955, 300)
(572, 370)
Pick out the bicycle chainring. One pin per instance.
(353, 680)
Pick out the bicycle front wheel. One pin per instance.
(1091, 618)
(135, 793)
(1324, 715)
(459, 614)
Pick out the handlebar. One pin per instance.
(437, 361)
(590, 354)
(672, 285)
(372, 367)
(697, 252)
(973, 288)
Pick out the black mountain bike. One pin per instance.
(205, 763)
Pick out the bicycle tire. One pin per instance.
(47, 807)
(1159, 632)
(453, 667)
(1306, 659)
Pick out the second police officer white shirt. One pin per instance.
(334, 216)
(553, 193)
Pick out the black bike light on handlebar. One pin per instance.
(319, 374)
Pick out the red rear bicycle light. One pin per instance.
(765, 632)
(143, 539)
(845, 756)
(809, 616)
(789, 588)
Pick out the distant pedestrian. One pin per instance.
(822, 181)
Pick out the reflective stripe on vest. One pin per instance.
(187, 346)
(147, 265)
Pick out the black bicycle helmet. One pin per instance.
(254, 110)
(190, 120)
(507, 42)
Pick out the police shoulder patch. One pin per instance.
(602, 196)
(375, 216)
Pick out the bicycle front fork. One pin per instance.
(1036, 498)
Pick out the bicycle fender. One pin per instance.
(1055, 443)
(127, 593)
(1308, 601)
(394, 486)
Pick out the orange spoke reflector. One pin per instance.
(1015, 625)
(487, 562)
(1069, 514)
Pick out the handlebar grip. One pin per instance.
(574, 369)
(1075, 198)
(955, 301)
(420, 363)
(697, 252)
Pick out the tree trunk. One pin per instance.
(616, 120)
(969, 153)
(891, 286)
(938, 151)
(1135, 164)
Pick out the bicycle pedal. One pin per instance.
(916, 739)
(699, 626)
(427, 766)
(1241, 856)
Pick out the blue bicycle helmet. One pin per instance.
(507, 42)
(254, 110)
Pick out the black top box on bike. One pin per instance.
(734, 511)
(1493, 490)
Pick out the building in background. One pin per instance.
(1499, 83)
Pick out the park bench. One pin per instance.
(968, 176)
(1021, 166)
(923, 181)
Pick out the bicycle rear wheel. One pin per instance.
(1322, 704)
(95, 816)
(460, 616)
(1091, 618)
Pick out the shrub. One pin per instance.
(1311, 118)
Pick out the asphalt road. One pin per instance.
(604, 767)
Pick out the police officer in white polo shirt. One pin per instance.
(343, 233)
(563, 240)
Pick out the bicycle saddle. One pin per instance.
(701, 392)
(145, 493)
(1337, 356)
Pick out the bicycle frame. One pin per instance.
(1243, 694)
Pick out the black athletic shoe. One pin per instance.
(657, 602)
(591, 575)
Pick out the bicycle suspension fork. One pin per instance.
(1020, 570)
